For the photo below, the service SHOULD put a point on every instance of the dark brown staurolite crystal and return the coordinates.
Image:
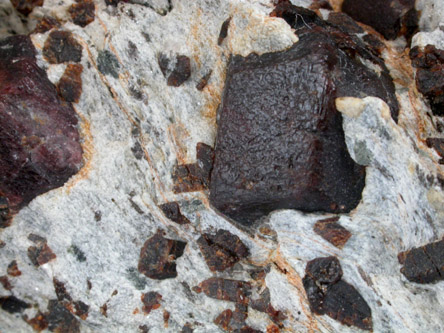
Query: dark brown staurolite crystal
(60, 319)
(194, 176)
(227, 290)
(280, 142)
(60, 47)
(332, 231)
(222, 250)
(69, 86)
(390, 18)
(179, 73)
(430, 75)
(172, 211)
(39, 140)
(423, 264)
(83, 12)
(26, 6)
(158, 257)
(328, 294)
(151, 301)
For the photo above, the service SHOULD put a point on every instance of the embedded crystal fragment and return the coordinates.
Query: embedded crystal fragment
(39, 146)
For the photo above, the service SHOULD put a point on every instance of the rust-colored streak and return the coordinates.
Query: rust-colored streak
(88, 153)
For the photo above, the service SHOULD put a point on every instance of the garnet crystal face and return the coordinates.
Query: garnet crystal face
(280, 142)
(39, 140)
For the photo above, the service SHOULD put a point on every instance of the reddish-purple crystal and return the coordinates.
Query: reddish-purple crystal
(39, 140)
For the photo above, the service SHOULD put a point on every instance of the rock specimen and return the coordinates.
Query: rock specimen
(430, 75)
(280, 142)
(332, 231)
(26, 6)
(60, 47)
(438, 145)
(172, 211)
(83, 12)
(223, 31)
(69, 86)
(423, 264)
(195, 176)
(39, 143)
(177, 71)
(222, 250)
(226, 289)
(41, 253)
(60, 319)
(12, 304)
(45, 24)
(158, 256)
(328, 294)
(387, 17)
(151, 301)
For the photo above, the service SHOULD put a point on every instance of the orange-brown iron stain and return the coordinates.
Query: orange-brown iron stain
(336, 4)
(196, 34)
(212, 92)
(295, 280)
(400, 61)
(213, 97)
(88, 153)
(178, 134)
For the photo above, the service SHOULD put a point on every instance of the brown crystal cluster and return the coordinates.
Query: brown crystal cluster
(328, 294)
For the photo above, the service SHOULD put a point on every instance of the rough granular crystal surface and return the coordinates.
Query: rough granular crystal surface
(328, 294)
(158, 257)
(280, 142)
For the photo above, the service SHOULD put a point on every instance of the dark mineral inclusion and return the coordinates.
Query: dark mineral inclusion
(423, 264)
(280, 142)
(39, 140)
(328, 294)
